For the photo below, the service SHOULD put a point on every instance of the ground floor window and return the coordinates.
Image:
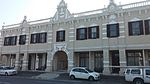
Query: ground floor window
(84, 59)
(134, 58)
(98, 61)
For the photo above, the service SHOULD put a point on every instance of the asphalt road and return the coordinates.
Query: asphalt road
(63, 80)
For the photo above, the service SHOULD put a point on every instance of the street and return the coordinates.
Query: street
(22, 80)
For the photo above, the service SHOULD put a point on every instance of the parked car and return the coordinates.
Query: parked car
(83, 73)
(6, 70)
(138, 75)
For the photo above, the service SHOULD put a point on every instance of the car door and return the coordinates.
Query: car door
(147, 76)
(128, 75)
(76, 73)
(84, 74)
(1, 71)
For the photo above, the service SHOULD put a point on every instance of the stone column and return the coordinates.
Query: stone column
(123, 63)
(70, 60)
(49, 62)
(36, 61)
(25, 62)
(91, 61)
(17, 61)
(106, 61)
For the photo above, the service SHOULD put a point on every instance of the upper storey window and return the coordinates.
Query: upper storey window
(135, 28)
(8, 41)
(147, 27)
(39, 38)
(113, 30)
(60, 36)
(93, 32)
(22, 39)
(81, 34)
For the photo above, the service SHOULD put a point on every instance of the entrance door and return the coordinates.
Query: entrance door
(60, 61)
(115, 61)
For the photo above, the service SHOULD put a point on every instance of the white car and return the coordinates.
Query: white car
(83, 73)
(6, 70)
(137, 75)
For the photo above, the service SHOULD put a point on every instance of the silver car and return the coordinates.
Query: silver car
(6, 70)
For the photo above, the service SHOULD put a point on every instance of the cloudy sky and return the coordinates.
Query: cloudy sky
(13, 11)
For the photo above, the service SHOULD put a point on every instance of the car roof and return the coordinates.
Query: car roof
(136, 68)
(79, 68)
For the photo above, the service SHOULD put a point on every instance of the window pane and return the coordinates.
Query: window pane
(82, 33)
(42, 37)
(147, 72)
(134, 58)
(136, 28)
(135, 71)
(113, 30)
(22, 39)
(33, 38)
(60, 36)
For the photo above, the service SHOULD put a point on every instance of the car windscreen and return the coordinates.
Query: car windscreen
(90, 71)
(8, 68)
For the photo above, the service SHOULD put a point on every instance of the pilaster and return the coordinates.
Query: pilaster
(17, 61)
(106, 61)
(122, 56)
(70, 60)
(49, 62)
(25, 62)
(91, 61)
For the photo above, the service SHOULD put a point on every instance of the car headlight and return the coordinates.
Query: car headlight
(96, 74)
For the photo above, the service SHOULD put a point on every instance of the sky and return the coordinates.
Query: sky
(13, 11)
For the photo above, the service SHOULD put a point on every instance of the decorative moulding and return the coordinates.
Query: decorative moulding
(135, 19)
(82, 26)
(94, 24)
(148, 18)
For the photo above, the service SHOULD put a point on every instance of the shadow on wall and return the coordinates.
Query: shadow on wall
(99, 69)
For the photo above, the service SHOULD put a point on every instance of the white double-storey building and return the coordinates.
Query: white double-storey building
(105, 40)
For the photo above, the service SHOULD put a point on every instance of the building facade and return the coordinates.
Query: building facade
(105, 40)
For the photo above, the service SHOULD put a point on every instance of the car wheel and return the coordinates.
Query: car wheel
(6, 74)
(72, 77)
(91, 78)
(138, 81)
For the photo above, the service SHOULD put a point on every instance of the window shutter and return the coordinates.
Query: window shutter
(45, 39)
(130, 28)
(118, 33)
(15, 39)
(38, 40)
(5, 41)
(146, 27)
(77, 34)
(85, 29)
(141, 27)
(31, 40)
(108, 30)
(97, 32)
(20, 39)
(57, 36)
(63, 35)
(89, 33)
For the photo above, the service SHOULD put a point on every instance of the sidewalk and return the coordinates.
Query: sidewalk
(49, 75)
(46, 76)
(61, 76)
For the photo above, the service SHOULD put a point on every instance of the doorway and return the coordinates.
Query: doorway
(114, 55)
(60, 61)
